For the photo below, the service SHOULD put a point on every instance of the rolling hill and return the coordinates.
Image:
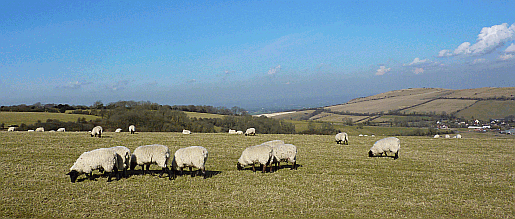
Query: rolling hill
(481, 103)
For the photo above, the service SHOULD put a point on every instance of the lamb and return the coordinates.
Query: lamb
(342, 138)
(97, 130)
(436, 136)
(118, 130)
(103, 159)
(186, 132)
(261, 154)
(30, 130)
(132, 129)
(125, 154)
(231, 131)
(11, 129)
(284, 152)
(61, 130)
(250, 131)
(151, 154)
(194, 156)
(40, 129)
(391, 144)
(447, 136)
(239, 132)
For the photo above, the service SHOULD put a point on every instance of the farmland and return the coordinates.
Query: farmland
(17, 118)
(433, 178)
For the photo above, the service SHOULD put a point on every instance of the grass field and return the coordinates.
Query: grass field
(489, 109)
(433, 178)
(17, 118)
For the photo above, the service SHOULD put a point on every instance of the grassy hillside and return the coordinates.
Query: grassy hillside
(489, 109)
(17, 118)
(203, 115)
(433, 178)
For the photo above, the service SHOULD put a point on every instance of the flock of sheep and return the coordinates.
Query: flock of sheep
(117, 160)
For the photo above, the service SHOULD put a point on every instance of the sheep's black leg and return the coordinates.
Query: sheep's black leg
(294, 167)
(181, 171)
(191, 172)
(253, 168)
(204, 172)
(396, 155)
(117, 174)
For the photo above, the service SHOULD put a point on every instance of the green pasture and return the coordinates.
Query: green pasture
(433, 178)
(203, 115)
(17, 118)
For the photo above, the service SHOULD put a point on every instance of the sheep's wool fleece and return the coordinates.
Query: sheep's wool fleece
(132, 128)
(341, 136)
(104, 158)
(285, 152)
(124, 153)
(97, 130)
(194, 156)
(155, 153)
(391, 144)
(250, 131)
(256, 154)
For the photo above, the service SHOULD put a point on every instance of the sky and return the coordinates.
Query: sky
(250, 54)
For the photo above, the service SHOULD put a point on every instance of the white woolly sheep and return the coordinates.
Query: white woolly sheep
(40, 129)
(284, 152)
(151, 154)
(103, 159)
(97, 130)
(231, 131)
(118, 130)
(125, 155)
(186, 132)
(61, 130)
(436, 136)
(342, 138)
(11, 129)
(250, 131)
(194, 156)
(391, 144)
(360, 135)
(261, 154)
(457, 136)
(239, 132)
(447, 136)
(132, 129)
(30, 130)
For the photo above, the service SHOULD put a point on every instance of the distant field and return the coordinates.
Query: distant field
(203, 115)
(383, 105)
(441, 105)
(433, 178)
(489, 109)
(331, 117)
(294, 116)
(17, 118)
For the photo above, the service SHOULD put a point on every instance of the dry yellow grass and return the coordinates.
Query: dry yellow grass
(441, 105)
(17, 118)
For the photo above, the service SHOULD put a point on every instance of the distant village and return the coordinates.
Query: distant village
(502, 126)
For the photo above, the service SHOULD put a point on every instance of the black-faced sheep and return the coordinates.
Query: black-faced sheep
(103, 159)
(132, 129)
(391, 144)
(342, 138)
(97, 130)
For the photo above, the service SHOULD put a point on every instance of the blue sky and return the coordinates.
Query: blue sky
(249, 53)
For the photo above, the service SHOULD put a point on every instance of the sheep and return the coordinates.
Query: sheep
(151, 154)
(125, 155)
(231, 131)
(261, 154)
(97, 130)
(118, 130)
(342, 138)
(40, 129)
(132, 129)
(436, 136)
(11, 129)
(284, 152)
(250, 131)
(61, 130)
(239, 132)
(391, 144)
(360, 135)
(194, 156)
(103, 159)
(447, 136)
(30, 130)
(457, 136)
(186, 132)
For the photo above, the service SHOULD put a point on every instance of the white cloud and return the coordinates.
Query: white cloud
(489, 39)
(510, 49)
(192, 81)
(418, 71)
(416, 61)
(382, 70)
(506, 56)
(120, 85)
(273, 71)
(74, 85)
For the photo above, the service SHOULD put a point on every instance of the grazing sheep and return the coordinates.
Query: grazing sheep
(103, 159)
(391, 144)
(284, 152)
(360, 135)
(436, 136)
(97, 130)
(118, 130)
(151, 154)
(342, 138)
(40, 129)
(194, 156)
(61, 130)
(132, 129)
(447, 136)
(239, 132)
(457, 136)
(11, 129)
(186, 132)
(125, 154)
(231, 131)
(261, 154)
(30, 130)
(250, 131)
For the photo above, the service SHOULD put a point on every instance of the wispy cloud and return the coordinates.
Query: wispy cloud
(120, 85)
(506, 57)
(74, 85)
(477, 61)
(417, 61)
(418, 71)
(382, 70)
(273, 71)
(444, 53)
(192, 81)
(510, 49)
